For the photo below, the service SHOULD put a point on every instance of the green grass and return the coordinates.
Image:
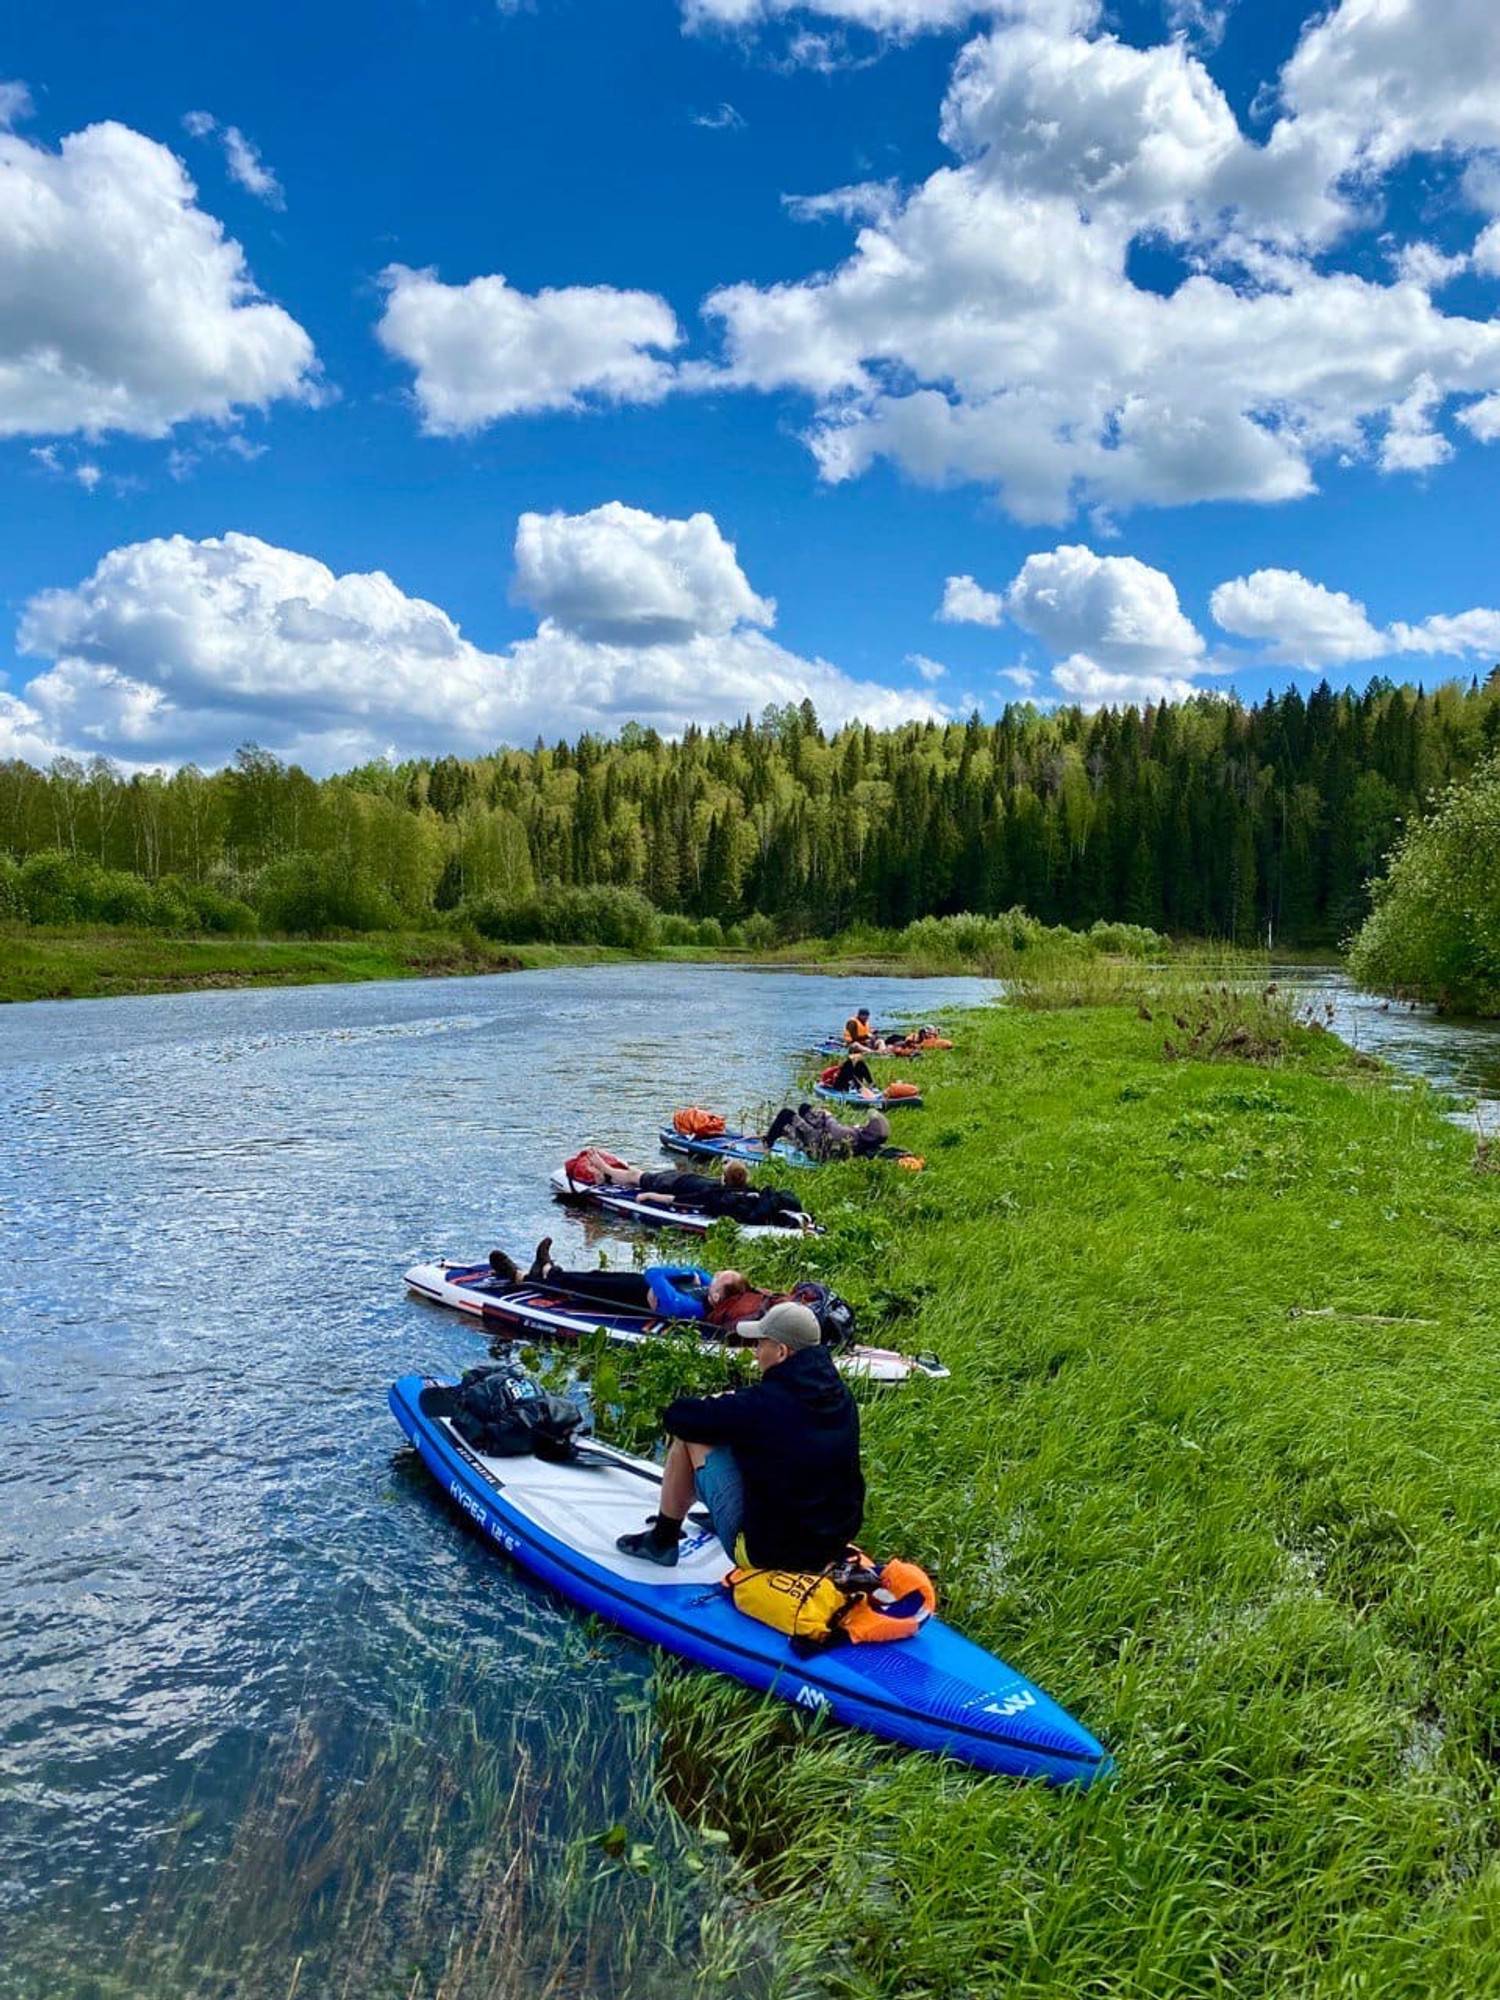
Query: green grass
(1216, 1468)
(77, 963)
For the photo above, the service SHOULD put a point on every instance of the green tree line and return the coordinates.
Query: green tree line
(1202, 818)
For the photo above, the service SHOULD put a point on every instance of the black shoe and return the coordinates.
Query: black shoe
(504, 1267)
(648, 1548)
(541, 1263)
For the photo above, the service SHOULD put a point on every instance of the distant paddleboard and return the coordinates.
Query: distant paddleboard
(632, 1206)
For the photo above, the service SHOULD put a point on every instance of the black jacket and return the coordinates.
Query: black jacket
(795, 1438)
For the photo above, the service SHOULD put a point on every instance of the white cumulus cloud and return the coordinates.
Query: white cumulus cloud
(1307, 625)
(123, 306)
(175, 649)
(1302, 623)
(1116, 609)
(966, 603)
(620, 575)
(886, 17)
(15, 103)
(989, 324)
(1116, 621)
(483, 350)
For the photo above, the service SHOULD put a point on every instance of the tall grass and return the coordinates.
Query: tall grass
(464, 1853)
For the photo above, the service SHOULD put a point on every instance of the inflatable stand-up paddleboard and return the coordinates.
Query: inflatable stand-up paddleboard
(936, 1691)
(740, 1146)
(731, 1146)
(546, 1313)
(631, 1206)
(835, 1045)
(872, 1100)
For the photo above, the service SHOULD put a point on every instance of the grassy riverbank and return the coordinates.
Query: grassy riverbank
(1216, 1467)
(79, 962)
(74, 963)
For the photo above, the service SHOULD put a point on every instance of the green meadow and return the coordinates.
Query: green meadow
(1216, 1467)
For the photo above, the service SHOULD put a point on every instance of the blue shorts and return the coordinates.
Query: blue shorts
(719, 1486)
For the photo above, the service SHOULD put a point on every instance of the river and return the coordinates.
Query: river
(211, 1535)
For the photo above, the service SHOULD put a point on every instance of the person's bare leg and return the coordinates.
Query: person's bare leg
(677, 1490)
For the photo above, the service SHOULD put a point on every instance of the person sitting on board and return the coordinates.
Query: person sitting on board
(775, 1463)
(813, 1129)
(859, 1035)
(851, 1074)
(733, 1196)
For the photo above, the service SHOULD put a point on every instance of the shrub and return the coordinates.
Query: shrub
(1126, 940)
(603, 916)
(12, 904)
(311, 894)
(207, 909)
(675, 929)
(49, 888)
(758, 932)
(1434, 932)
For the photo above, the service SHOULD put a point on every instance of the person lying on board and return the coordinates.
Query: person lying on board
(733, 1196)
(670, 1290)
(775, 1463)
(814, 1130)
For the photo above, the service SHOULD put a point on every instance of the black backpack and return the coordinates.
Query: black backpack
(506, 1413)
(835, 1316)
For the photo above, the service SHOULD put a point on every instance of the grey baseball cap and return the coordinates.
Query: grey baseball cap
(793, 1325)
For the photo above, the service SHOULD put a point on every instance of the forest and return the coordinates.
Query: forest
(1204, 819)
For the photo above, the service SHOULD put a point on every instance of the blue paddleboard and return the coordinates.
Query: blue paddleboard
(936, 1691)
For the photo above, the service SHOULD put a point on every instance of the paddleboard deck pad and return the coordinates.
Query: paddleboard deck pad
(631, 1206)
(937, 1692)
(545, 1313)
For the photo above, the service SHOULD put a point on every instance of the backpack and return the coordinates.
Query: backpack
(835, 1316)
(506, 1413)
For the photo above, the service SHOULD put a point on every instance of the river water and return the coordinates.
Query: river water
(208, 1524)
(1461, 1058)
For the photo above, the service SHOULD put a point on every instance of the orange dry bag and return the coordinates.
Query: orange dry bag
(693, 1122)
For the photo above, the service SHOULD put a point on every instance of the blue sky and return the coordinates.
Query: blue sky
(416, 378)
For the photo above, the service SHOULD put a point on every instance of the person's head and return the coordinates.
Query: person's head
(863, 1016)
(726, 1285)
(877, 1128)
(736, 1174)
(784, 1329)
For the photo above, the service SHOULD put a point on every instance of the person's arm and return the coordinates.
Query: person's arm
(711, 1419)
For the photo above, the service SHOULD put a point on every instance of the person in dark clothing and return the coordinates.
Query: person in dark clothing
(814, 1130)
(853, 1073)
(733, 1196)
(776, 1463)
(725, 1301)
